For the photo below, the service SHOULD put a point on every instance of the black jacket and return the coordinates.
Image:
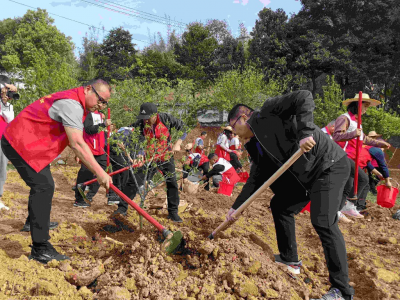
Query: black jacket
(168, 120)
(278, 127)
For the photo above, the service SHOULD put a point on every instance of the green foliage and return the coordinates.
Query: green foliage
(35, 51)
(232, 87)
(31, 36)
(44, 78)
(328, 106)
(196, 52)
(130, 94)
(116, 55)
(381, 121)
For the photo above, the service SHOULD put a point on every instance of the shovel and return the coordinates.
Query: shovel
(257, 193)
(172, 239)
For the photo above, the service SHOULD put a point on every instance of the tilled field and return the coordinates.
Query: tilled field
(115, 259)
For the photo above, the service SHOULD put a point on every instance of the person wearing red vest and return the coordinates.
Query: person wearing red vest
(6, 116)
(195, 161)
(199, 143)
(95, 139)
(155, 132)
(40, 132)
(346, 131)
(223, 149)
(222, 171)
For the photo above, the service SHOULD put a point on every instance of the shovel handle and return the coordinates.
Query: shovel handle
(257, 193)
(140, 211)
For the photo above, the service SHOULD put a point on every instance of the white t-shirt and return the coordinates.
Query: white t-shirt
(7, 112)
(235, 142)
(223, 140)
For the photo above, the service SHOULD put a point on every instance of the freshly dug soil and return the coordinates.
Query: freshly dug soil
(116, 259)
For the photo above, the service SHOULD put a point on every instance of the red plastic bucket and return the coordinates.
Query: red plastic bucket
(307, 207)
(243, 176)
(225, 188)
(386, 196)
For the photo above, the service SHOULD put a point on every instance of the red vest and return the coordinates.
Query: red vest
(229, 175)
(203, 158)
(162, 139)
(97, 141)
(36, 137)
(3, 125)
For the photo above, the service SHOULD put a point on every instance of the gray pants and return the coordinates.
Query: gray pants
(3, 171)
(216, 180)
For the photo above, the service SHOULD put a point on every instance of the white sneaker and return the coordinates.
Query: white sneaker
(351, 210)
(3, 206)
(343, 218)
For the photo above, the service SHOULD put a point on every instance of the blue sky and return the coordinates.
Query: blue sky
(146, 17)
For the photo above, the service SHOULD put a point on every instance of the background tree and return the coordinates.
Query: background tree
(38, 54)
(269, 47)
(197, 53)
(87, 60)
(115, 57)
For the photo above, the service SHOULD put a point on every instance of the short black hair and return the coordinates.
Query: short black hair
(204, 133)
(98, 82)
(211, 155)
(353, 107)
(235, 111)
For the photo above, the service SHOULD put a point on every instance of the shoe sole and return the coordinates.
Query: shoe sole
(350, 215)
(290, 269)
(112, 203)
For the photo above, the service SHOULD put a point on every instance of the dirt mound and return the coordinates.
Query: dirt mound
(116, 259)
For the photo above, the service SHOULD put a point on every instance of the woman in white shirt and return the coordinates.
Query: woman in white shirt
(6, 116)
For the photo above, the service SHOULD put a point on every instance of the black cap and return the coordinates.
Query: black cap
(147, 110)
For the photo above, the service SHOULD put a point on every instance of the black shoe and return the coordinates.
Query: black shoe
(27, 227)
(119, 211)
(174, 217)
(45, 255)
(82, 204)
(89, 196)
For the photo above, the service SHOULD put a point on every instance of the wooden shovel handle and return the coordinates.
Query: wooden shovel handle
(261, 189)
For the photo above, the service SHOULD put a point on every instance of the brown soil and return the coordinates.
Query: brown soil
(115, 259)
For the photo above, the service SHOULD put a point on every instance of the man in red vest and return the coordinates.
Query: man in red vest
(155, 132)
(95, 138)
(199, 143)
(222, 171)
(40, 132)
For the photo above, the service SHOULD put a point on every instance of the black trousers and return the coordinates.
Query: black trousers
(235, 161)
(40, 196)
(85, 174)
(362, 188)
(326, 197)
(168, 170)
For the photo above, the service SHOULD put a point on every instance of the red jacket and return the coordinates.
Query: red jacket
(36, 137)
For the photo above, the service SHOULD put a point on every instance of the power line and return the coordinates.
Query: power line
(73, 20)
(120, 6)
(137, 15)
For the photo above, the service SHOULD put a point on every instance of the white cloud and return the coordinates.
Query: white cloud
(154, 10)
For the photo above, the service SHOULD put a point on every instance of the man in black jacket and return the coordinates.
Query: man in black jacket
(282, 126)
(155, 130)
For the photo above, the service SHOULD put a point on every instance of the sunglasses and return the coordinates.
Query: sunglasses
(233, 125)
(99, 98)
